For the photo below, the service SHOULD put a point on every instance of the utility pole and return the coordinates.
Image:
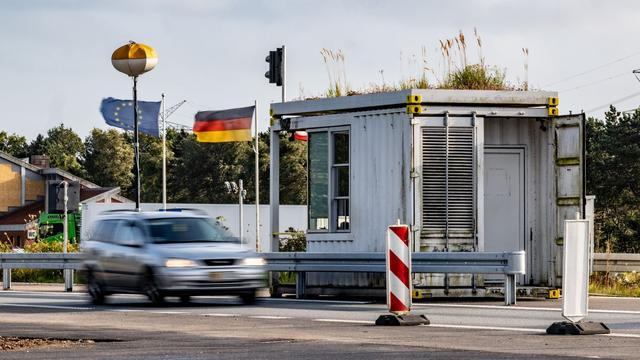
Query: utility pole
(257, 175)
(67, 273)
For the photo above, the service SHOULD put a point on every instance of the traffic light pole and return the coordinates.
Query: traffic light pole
(284, 74)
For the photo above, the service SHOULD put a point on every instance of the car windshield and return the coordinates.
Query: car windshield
(186, 230)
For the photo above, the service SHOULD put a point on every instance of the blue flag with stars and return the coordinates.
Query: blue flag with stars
(119, 113)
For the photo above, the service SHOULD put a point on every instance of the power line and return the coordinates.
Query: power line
(593, 69)
(614, 102)
(595, 82)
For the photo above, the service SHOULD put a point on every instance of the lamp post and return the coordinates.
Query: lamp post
(233, 188)
(135, 59)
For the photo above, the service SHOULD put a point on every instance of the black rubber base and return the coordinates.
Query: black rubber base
(579, 328)
(402, 320)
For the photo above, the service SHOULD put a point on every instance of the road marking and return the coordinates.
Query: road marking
(270, 317)
(622, 335)
(125, 310)
(222, 315)
(346, 321)
(48, 306)
(169, 312)
(502, 307)
(476, 327)
(317, 301)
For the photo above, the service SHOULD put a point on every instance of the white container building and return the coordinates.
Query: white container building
(468, 170)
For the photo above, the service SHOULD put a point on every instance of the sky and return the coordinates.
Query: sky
(55, 56)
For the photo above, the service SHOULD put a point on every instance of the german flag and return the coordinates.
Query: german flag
(224, 125)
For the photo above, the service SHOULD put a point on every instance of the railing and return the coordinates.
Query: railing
(615, 262)
(67, 262)
(508, 264)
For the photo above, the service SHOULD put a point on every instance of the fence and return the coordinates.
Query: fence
(614, 262)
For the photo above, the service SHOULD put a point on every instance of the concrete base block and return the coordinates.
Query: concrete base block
(402, 320)
(578, 328)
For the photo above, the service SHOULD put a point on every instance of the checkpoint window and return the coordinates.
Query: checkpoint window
(329, 180)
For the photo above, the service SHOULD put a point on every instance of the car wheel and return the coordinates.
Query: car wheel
(185, 298)
(248, 298)
(151, 290)
(95, 290)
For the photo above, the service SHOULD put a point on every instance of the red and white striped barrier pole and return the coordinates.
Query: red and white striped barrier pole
(399, 279)
(398, 269)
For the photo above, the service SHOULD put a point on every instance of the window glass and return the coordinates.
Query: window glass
(342, 174)
(105, 230)
(184, 230)
(128, 232)
(341, 148)
(342, 214)
(318, 181)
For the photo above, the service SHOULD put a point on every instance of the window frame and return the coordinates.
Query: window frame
(332, 172)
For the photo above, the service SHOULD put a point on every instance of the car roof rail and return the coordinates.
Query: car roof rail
(192, 210)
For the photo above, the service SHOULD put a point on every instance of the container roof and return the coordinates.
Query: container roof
(397, 99)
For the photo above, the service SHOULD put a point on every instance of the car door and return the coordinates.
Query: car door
(129, 263)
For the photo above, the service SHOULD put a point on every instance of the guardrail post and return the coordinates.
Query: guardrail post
(510, 289)
(6, 279)
(301, 282)
(68, 279)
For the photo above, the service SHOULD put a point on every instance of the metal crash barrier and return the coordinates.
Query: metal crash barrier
(508, 264)
(50, 261)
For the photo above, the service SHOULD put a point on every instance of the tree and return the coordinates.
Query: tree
(65, 149)
(14, 144)
(613, 176)
(108, 159)
(151, 167)
(37, 146)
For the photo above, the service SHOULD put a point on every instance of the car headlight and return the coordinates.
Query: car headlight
(179, 263)
(253, 262)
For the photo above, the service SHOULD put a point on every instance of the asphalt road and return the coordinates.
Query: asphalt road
(221, 328)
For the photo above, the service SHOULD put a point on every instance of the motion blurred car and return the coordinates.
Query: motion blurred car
(163, 254)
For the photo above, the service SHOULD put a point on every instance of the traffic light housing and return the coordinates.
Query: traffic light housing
(275, 67)
(56, 196)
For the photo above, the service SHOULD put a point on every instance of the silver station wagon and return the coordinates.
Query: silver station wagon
(163, 254)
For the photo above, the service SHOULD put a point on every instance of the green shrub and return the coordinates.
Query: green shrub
(476, 77)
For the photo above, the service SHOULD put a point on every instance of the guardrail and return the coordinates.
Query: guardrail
(615, 262)
(508, 264)
(67, 262)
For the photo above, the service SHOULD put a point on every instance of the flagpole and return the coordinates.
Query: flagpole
(164, 158)
(256, 150)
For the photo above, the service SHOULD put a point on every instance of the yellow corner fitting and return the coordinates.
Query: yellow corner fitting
(414, 99)
(554, 294)
(553, 111)
(553, 101)
(417, 294)
(414, 109)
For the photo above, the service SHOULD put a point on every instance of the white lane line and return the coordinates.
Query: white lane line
(476, 327)
(126, 310)
(48, 306)
(270, 317)
(502, 307)
(346, 321)
(318, 301)
(221, 315)
(170, 312)
(622, 335)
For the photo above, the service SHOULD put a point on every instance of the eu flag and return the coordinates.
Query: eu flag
(119, 113)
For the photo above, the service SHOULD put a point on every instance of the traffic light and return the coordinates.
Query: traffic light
(56, 196)
(275, 67)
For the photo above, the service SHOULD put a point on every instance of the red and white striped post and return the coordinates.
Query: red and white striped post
(398, 269)
(399, 279)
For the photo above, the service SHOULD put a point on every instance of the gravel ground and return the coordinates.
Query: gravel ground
(16, 343)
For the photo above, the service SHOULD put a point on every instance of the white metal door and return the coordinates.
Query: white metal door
(504, 200)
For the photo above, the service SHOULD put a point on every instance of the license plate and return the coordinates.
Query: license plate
(216, 275)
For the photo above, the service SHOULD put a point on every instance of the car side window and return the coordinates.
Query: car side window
(127, 232)
(105, 230)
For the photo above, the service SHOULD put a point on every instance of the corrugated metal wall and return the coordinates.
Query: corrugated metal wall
(380, 191)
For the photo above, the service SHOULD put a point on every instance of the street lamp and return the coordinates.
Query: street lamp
(135, 59)
(233, 188)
